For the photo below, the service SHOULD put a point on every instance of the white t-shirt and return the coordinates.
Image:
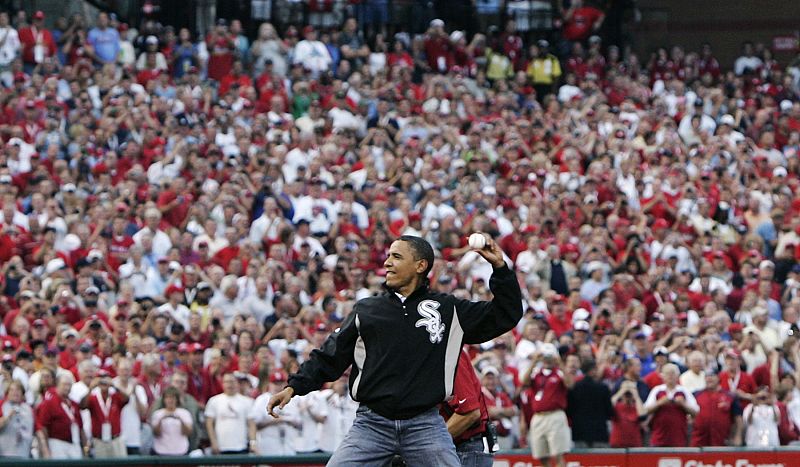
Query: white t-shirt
(311, 430)
(230, 420)
(76, 394)
(172, 441)
(130, 422)
(341, 415)
(277, 439)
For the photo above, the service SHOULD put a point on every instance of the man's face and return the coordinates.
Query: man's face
(64, 386)
(229, 385)
(179, 382)
(401, 267)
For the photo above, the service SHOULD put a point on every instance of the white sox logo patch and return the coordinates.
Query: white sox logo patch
(431, 320)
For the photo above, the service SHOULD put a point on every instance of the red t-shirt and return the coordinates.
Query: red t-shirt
(668, 426)
(57, 416)
(743, 381)
(712, 424)
(580, 25)
(467, 396)
(560, 326)
(625, 431)
(549, 391)
(108, 411)
(653, 379)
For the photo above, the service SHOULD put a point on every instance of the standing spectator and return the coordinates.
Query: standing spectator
(151, 60)
(626, 431)
(59, 428)
(580, 22)
(437, 46)
(748, 62)
(341, 411)
(229, 430)
(105, 407)
(352, 44)
(172, 426)
(180, 381)
(589, 407)
(549, 434)
(501, 408)
(311, 53)
(135, 410)
(275, 436)
(761, 420)
(734, 380)
(221, 48)
(104, 40)
(313, 412)
(9, 46)
(16, 423)
(467, 416)
(37, 43)
(268, 49)
(544, 69)
(669, 403)
(694, 379)
(720, 417)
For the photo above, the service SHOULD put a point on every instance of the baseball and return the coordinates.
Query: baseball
(477, 241)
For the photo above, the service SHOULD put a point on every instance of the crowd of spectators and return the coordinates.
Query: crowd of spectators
(183, 219)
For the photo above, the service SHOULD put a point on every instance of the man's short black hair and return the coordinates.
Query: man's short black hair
(421, 248)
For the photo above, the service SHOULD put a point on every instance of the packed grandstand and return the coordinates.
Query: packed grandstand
(185, 218)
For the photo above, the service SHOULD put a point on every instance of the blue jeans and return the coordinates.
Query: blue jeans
(471, 454)
(373, 440)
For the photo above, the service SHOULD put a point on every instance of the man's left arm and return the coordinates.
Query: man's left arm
(483, 321)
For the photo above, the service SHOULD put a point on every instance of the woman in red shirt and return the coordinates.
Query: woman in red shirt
(628, 407)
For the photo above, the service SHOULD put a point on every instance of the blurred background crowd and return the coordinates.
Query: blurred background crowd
(185, 216)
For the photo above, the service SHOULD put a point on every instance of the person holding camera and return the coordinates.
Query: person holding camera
(628, 411)
(104, 401)
(549, 434)
(16, 423)
(172, 426)
(761, 419)
(669, 403)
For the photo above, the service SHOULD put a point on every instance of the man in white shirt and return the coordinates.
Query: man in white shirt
(276, 436)
(311, 53)
(260, 304)
(348, 204)
(86, 373)
(341, 415)
(9, 43)
(134, 410)
(313, 411)
(694, 379)
(229, 430)
(161, 241)
(748, 61)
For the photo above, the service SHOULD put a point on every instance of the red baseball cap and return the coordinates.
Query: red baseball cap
(277, 376)
(197, 347)
(38, 15)
(660, 224)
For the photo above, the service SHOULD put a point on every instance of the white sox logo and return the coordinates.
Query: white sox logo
(431, 320)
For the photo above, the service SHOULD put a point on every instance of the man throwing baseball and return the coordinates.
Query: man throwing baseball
(403, 347)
